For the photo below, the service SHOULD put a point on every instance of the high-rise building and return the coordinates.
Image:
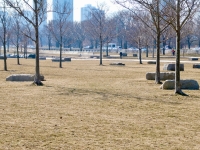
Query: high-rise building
(57, 5)
(86, 12)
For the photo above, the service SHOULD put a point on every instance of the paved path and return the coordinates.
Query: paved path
(135, 60)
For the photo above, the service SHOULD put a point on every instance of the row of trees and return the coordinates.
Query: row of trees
(142, 21)
(123, 28)
(165, 15)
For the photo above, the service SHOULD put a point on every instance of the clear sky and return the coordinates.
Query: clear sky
(80, 3)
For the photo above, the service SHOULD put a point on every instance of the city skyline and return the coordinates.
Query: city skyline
(54, 5)
(79, 4)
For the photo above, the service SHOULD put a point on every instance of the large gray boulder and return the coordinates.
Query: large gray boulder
(185, 84)
(163, 75)
(23, 77)
(171, 67)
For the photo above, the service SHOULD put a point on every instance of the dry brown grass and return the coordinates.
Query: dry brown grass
(87, 106)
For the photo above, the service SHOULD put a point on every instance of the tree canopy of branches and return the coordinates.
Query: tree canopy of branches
(179, 13)
(154, 23)
(61, 25)
(100, 27)
(34, 17)
(4, 21)
(16, 29)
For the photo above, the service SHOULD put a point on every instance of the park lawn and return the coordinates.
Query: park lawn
(87, 106)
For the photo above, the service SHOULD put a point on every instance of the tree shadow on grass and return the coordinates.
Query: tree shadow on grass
(108, 95)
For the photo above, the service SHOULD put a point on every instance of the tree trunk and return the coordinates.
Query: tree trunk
(140, 53)
(37, 79)
(101, 45)
(147, 51)
(164, 44)
(125, 45)
(18, 54)
(157, 75)
(18, 44)
(177, 75)
(178, 40)
(4, 48)
(4, 39)
(5, 57)
(199, 42)
(107, 49)
(189, 43)
(25, 50)
(154, 45)
(96, 44)
(49, 43)
(60, 65)
(81, 46)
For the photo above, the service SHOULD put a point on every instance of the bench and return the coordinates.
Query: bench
(117, 63)
(94, 56)
(67, 59)
(135, 55)
(196, 65)
(151, 62)
(42, 58)
(57, 60)
(193, 58)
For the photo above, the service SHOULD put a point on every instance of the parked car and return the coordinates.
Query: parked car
(31, 56)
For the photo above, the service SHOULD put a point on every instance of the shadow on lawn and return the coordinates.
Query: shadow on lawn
(111, 95)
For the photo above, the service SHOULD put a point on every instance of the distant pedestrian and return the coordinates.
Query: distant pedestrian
(120, 55)
(173, 52)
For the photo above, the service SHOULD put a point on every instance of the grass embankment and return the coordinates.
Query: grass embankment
(87, 106)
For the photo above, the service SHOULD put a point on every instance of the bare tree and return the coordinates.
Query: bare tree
(80, 34)
(16, 33)
(179, 13)
(121, 28)
(96, 26)
(188, 33)
(4, 20)
(156, 10)
(47, 33)
(34, 18)
(137, 31)
(61, 25)
(111, 25)
(197, 27)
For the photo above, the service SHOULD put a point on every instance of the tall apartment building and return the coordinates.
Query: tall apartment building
(52, 8)
(86, 12)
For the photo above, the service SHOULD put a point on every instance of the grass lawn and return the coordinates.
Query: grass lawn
(90, 107)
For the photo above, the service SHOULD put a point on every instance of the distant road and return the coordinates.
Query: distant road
(133, 60)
